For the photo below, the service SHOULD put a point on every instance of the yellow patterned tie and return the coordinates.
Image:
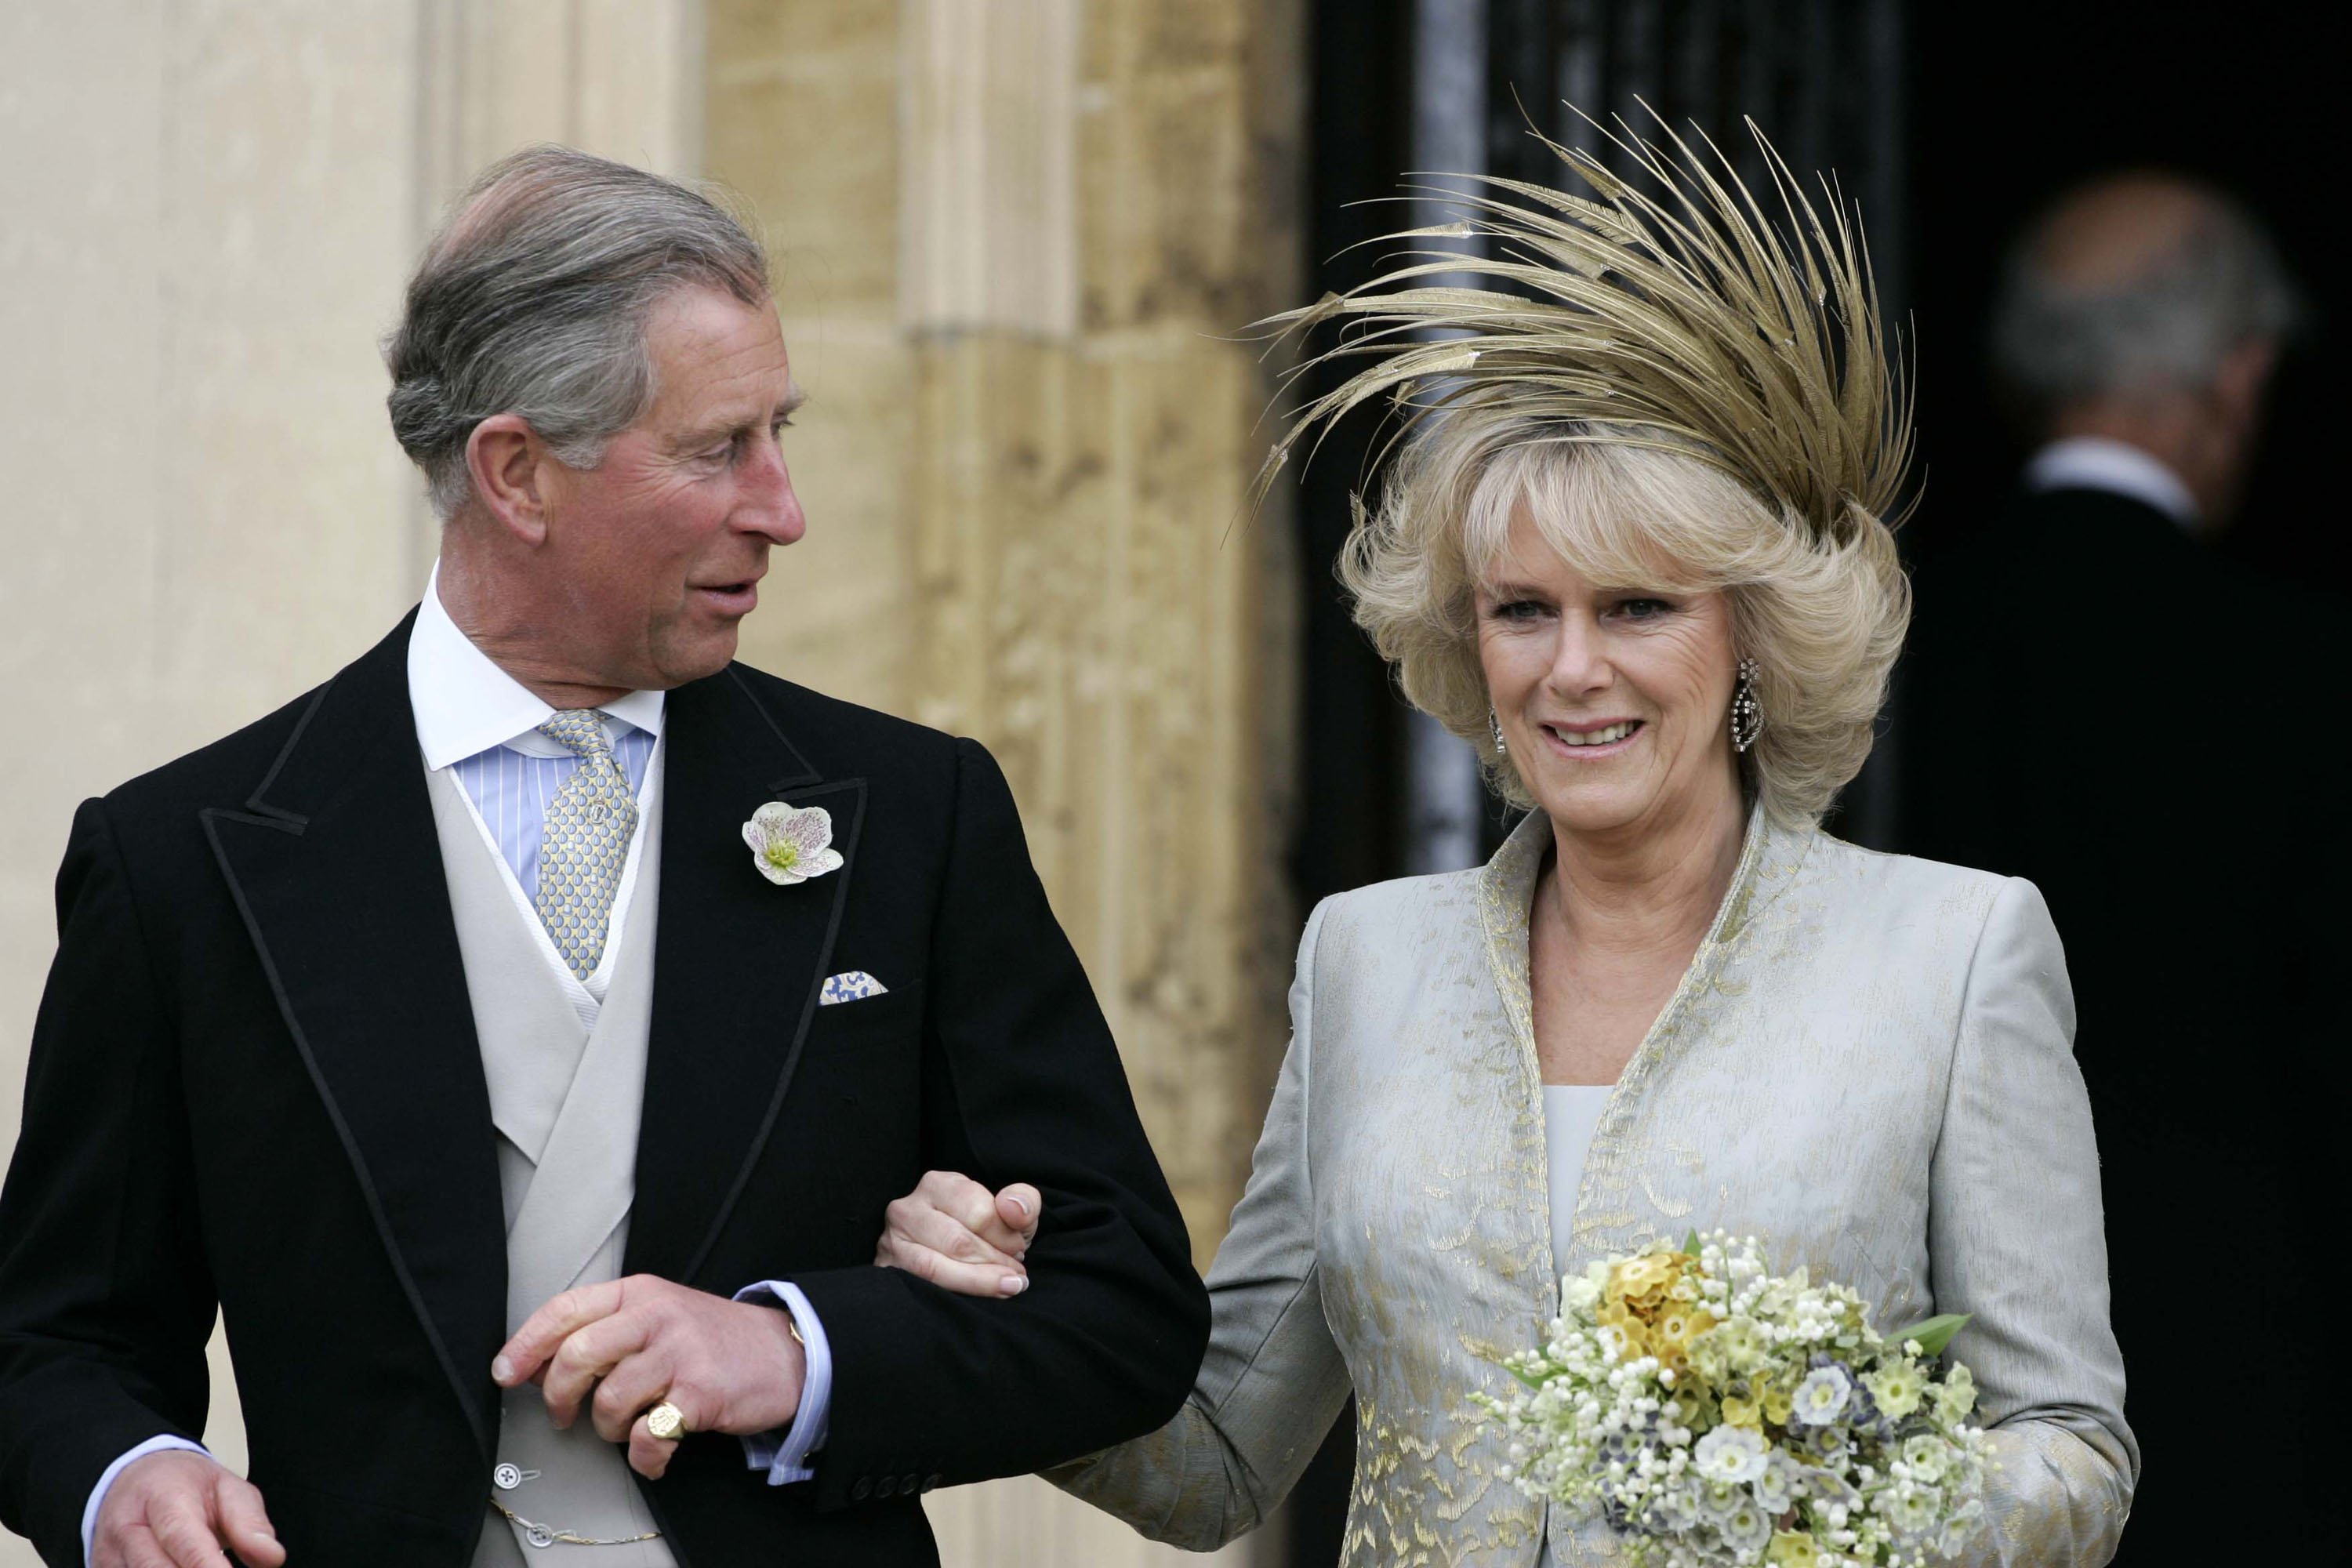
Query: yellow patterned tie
(586, 842)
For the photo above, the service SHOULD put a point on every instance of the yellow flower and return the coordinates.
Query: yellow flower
(1677, 1326)
(1958, 1394)
(1646, 1277)
(1739, 1411)
(1625, 1339)
(1778, 1402)
(1896, 1386)
(1792, 1548)
(1697, 1320)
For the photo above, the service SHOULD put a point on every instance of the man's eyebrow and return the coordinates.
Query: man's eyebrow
(704, 434)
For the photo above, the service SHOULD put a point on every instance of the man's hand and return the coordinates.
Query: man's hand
(180, 1510)
(956, 1234)
(728, 1366)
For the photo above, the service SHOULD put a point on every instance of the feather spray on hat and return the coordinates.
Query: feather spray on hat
(1685, 320)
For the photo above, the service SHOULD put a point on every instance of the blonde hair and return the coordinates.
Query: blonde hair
(1683, 398)
(1823, 616)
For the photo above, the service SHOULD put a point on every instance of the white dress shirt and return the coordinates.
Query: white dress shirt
(2095, 463)
(473, 718)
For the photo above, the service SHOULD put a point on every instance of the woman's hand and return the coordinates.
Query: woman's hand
(953, 1232)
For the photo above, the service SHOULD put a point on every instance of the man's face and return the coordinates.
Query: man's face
(658, 551)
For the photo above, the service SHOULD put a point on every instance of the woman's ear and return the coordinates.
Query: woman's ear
(504, 456)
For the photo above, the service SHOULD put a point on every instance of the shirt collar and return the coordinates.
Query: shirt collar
(2097, 463)
(466, 704)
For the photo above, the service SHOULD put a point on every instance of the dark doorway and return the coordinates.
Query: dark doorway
(2017, 101)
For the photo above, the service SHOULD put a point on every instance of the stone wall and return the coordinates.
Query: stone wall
(1012, 300)
(1015, 243)
(1013, 239)
(210, 206)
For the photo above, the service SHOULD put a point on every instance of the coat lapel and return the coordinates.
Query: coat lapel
(738, 963)
(335, 865)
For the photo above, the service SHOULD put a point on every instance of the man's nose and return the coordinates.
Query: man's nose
(769, 507)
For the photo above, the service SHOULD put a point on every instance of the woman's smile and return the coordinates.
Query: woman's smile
(1591, 740)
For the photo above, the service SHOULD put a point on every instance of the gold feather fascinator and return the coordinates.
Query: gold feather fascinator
(1685, 320)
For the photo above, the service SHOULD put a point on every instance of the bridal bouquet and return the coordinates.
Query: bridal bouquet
(1718, 1414)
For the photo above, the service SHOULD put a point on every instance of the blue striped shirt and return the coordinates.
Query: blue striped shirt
(512, 789)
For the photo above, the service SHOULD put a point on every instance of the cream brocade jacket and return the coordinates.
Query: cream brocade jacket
(1868, 1066)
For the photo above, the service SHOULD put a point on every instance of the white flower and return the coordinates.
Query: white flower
(1730, 1454)
(790, 845)
(1913, 1510)
(1821, 1397)
(1746, 1528)
(1776, 1488)
(1962, 1524)
(1927, 1457)
(1717, 1498)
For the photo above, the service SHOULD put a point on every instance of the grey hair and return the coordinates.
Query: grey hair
(2171, 328)
(532, 300)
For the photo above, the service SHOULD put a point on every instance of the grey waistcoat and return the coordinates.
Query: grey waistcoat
(565, 1096)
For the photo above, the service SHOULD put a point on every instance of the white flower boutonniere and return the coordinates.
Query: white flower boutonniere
(791, 844)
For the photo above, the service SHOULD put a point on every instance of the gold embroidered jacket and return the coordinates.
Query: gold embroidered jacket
(1868, 1066)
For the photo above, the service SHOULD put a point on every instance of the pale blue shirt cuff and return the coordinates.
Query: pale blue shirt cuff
(784, 1452)
(152, 1445)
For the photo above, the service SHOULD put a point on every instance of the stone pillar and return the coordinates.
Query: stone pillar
(1014, 244)
(212, 208)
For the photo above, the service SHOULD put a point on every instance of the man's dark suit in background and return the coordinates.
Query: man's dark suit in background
(2097, 701)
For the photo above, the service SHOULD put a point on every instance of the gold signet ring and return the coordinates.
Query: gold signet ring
(666, 1422)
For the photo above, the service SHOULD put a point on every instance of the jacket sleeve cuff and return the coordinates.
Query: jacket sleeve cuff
(156, 1446)
(784, 1453)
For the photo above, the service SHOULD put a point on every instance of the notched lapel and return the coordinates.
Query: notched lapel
(738, 964)
(335, 865)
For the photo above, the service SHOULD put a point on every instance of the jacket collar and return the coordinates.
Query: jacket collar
(1769, 859)
(334, 863)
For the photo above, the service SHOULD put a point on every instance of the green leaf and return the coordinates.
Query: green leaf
(1933, 1333)
(1690, 1244)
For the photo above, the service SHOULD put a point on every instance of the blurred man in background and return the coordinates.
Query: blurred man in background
(2099, 701)
(2136, 331)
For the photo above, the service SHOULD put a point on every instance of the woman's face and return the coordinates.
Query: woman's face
(1614, 697)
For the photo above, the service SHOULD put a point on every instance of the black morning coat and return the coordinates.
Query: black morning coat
(2152, 733)
(255, 1081)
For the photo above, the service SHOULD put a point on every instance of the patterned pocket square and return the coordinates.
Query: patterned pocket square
(854, 986)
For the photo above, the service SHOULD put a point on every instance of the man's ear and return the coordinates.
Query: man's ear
(2243, 379)
(505, 457)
